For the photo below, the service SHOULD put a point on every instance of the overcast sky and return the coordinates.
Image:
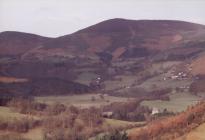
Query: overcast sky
(59, 17)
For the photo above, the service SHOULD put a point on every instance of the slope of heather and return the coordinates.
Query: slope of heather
(116, 37)
(17, 43)
(198, 66)
(196, 134)
(127, 38)
(172, 127)
(96, 49)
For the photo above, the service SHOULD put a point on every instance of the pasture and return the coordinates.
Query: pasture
(82, 101)
(178, 102)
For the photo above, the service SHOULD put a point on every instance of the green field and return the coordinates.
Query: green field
(178, 102)
(119, 123)
(83, 101)
(86, 77)
(125, 81)
(114, 124)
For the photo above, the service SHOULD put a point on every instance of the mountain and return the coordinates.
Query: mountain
(119, 38)
(122, 38)
(115, 47)
(18, 43)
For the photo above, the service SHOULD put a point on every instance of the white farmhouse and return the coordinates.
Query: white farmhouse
(155, 111)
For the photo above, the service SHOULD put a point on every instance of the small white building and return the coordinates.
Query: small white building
(127, 86)
(155, 111)
(174, 77)
(108, 114)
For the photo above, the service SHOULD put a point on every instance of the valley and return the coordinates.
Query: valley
(123, 75)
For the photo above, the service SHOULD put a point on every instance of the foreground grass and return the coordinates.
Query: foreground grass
(34, 134)
(8, 113)
(89, 120)
(37, 133)
(196, 134)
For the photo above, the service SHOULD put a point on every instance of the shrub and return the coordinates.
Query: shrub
(116, 135)
(56, 109)
(131, 111)
(26, 106)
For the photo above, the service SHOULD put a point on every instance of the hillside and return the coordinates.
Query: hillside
(187, 123)
(122, 53)
(114, 37)
(18, 43)
(44, 86)
(197, 133)
(128, 38)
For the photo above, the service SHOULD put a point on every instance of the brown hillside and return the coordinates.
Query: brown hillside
(91, 51)
(17, 43)
(172, 127)
(198, 66)
(138, 36)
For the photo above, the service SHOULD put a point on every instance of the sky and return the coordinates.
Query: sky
(55, 18)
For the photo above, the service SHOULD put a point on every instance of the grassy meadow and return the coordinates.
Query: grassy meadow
(83, 101)
(178, 102)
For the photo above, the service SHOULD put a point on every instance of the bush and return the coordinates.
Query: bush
(26, 106)
(56, 109)
(73, 124)
(131, 111)
(116, 135)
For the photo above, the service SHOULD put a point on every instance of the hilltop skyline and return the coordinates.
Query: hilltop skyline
(54, 18)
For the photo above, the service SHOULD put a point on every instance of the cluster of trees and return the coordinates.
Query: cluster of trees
(73, 124)
(44, 86)
(129, 111)
(133, 111)
(160, 94)
(142, 94)
(27, 105)
(59, 122)
(4, 99)
(172, 127)
(197, 86)
(115, 135)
